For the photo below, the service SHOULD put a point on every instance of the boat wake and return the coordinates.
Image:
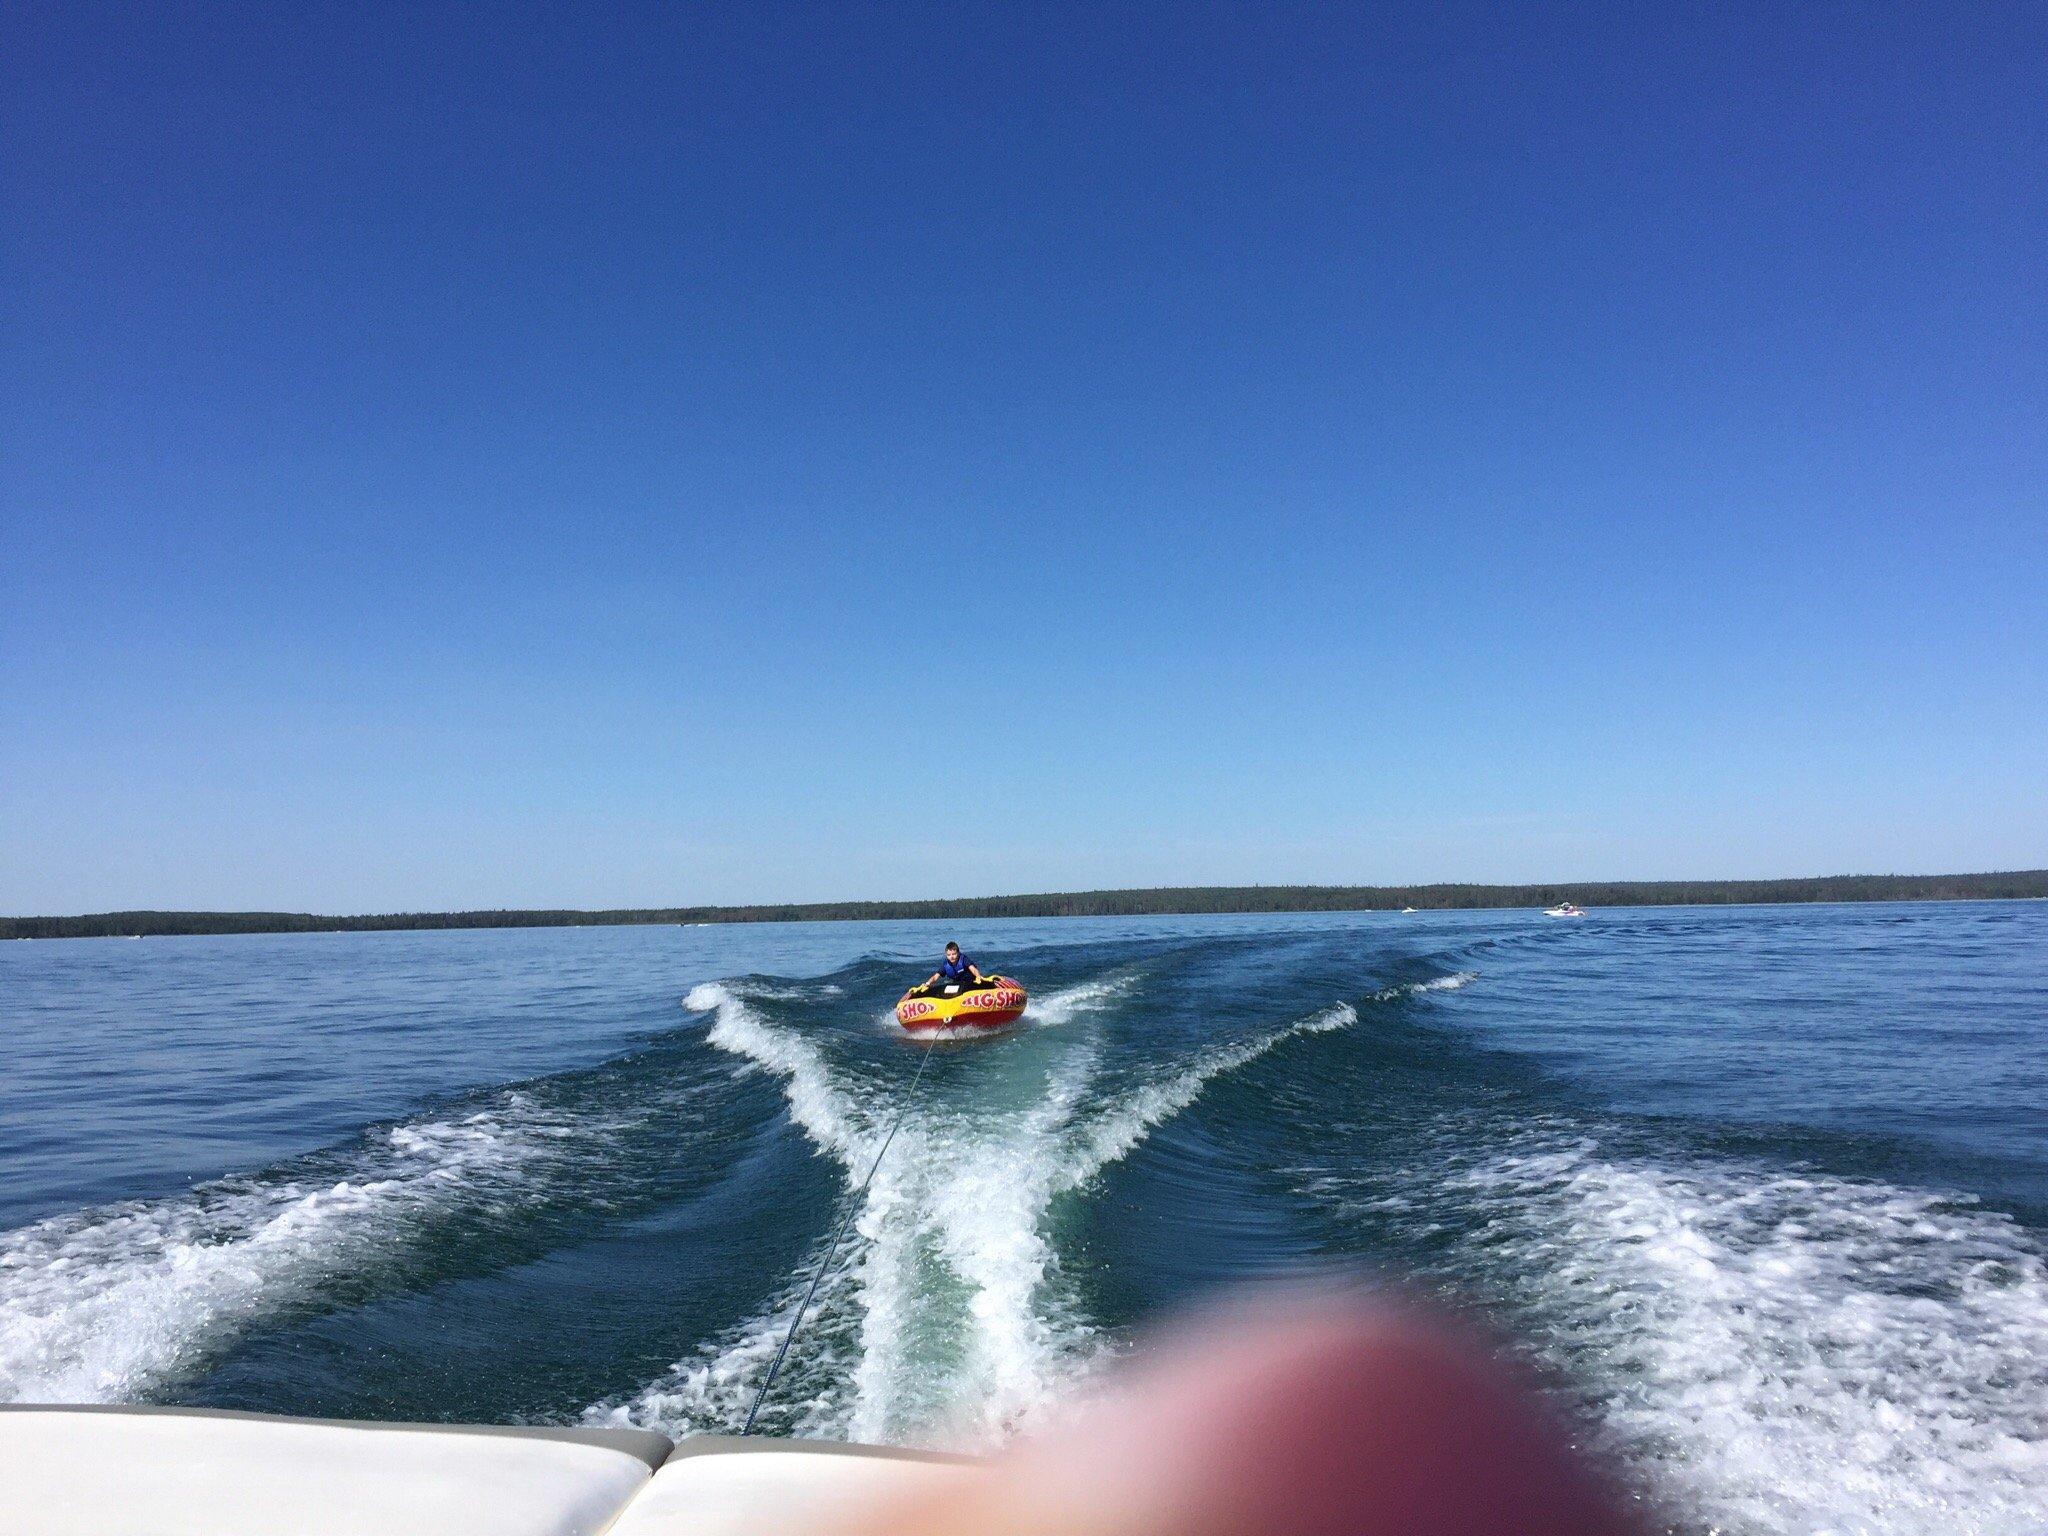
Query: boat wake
(122, 1302)
(104, 1305)
(1753, 1308)
(1821, 1354)
(1779, 1352)
(950, 1322)
(1065, 1004)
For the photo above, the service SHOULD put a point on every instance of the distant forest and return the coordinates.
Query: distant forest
(2027, 883)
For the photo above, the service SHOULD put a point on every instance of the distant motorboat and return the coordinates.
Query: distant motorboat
(1407, 909)
(1564, 909)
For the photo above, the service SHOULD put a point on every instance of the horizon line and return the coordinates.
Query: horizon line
(1105, 902)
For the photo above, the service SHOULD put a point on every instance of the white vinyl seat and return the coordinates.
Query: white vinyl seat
(715, 1486)
(167, 1472)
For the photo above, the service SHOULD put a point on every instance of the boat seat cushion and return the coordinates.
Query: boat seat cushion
(144, 1472)
(714, 1486)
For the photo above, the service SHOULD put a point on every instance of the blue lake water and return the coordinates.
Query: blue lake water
(1765, 1188)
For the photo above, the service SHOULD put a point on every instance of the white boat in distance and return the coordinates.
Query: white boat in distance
(1564, 909)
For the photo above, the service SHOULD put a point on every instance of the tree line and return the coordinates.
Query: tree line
(2010, 885)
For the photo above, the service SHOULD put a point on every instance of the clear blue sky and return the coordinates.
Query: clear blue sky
(471, 457)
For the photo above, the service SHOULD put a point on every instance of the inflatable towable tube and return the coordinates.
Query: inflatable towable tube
(998, 1001)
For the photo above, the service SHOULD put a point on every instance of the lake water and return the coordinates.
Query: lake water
(1766, 1188)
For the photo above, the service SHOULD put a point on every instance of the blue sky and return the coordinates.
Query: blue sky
(675, 454)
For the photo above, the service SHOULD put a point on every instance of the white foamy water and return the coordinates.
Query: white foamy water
(711, 1392)
(952, 1223)
(1065, 1004)
(1782, 1354)
(1449, 983)
(966, 1204)
(826, 1114)
(102, 1305)
(950, 1319)
(1794, 1353)
(1123, 1125)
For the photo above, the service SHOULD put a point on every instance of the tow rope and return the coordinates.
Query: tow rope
(817, 1275)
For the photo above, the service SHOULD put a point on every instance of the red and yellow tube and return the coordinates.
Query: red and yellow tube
(989, 1007)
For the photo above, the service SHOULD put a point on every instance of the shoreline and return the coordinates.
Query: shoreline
(1172, 901)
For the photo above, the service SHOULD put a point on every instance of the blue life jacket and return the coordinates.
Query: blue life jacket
(954, 970)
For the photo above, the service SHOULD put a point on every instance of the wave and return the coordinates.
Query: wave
(124, 1301)
(1778, 1352)
(103, 1305)
(1121, 1127)
(711, 1392)
(119, 1302)
(1449, 983)
(830, 1117)
(957, 1205)
(1796, 1352)
(951, 1322)
(1065, 1004)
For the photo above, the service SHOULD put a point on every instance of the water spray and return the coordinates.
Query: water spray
(832, 1252)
